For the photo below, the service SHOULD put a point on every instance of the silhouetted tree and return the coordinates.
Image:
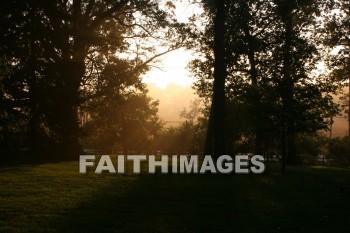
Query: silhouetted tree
(215, 139)
(57, 49)
(335, 33)
(270, 87)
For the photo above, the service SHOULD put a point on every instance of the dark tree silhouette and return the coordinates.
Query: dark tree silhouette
(215, 141)
(337, 33)
(270, 88)
(58, 48)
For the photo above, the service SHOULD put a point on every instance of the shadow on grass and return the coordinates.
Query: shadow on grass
(155, 203)
(272, 202)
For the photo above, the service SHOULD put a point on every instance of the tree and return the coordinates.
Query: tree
(270, 88)
(189, 136)
(122, 123)
(245, 48)
(12, 121)
(215, 141)
(298, 58)
(248, 45)
(335, 33)
(59, 47)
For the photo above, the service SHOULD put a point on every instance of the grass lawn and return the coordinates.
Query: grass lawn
(56, 198)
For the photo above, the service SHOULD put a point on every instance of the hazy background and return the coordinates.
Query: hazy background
(171, 82)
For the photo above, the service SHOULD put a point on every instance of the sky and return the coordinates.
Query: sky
(171, 69)
(169, 81)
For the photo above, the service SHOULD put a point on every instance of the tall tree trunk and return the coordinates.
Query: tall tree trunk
(288, 121)
(34, 122)
(257, 114)
(35, 142)
(69, 102)
(253, 77)
(291, 146)
(349, 111)
(291, 134)
(220, 74)
(72, 76)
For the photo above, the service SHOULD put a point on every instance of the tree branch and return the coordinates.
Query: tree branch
(138, 67)
(100, 17)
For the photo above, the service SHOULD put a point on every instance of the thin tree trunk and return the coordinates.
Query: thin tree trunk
(254, 78)
(291, 145)
(349, 111)
(291, 156)
(286, 85)
(34, 122)
(259, 139)
(208, 147)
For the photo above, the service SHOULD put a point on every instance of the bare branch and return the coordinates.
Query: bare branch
(136, 25)
(138, 67)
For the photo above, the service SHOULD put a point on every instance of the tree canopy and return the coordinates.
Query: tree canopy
(70, 74)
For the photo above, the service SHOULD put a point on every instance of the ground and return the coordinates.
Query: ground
(54, 197)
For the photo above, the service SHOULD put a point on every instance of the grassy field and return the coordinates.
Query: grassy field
(56, 198)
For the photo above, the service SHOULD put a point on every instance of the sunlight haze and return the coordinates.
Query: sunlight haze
(169, 80)
(171, 69)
